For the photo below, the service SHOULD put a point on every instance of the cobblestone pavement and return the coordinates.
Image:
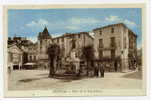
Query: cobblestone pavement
(38, 80)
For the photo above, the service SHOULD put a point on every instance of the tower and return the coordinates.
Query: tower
(44, 39)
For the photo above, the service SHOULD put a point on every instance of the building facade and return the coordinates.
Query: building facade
(73, 42)
(116, 42)
(44, 39)
(113, 43)
(32, 53)
(20, 52)
(14, 57)
(68, 43)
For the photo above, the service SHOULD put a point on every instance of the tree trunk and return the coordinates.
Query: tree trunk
(87, 68)
(51, 68)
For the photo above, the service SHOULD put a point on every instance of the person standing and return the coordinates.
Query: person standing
(115, 66)
(96, 72)
(101, 69)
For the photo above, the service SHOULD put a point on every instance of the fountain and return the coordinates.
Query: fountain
(73, 62)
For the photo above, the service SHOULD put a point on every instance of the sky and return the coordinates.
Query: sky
(29, 22)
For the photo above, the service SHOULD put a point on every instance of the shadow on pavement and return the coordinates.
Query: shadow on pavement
(62, 78)
(67, 77)
(46, 74)
(134, 75)
(31, 79)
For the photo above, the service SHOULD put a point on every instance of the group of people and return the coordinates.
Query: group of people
(99, 69)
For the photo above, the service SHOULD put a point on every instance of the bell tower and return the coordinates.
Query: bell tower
(44, 39)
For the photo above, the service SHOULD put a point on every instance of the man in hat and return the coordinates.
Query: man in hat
(101, 69)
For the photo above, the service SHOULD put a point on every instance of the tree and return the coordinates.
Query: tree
(53, 52)
(88, 55)
(25, 57)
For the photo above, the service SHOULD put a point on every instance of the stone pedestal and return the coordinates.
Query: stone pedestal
(74, 60)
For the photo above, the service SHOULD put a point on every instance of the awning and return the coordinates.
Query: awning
(30, 64)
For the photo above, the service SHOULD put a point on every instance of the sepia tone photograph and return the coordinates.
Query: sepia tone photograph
(74, 50)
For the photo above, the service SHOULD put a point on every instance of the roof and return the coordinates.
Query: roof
(19, 41)
(17, 47)
(72, 34)
(132, 33)
(44, 34)
(112, 25)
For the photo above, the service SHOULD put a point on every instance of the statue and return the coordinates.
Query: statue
(74, 60)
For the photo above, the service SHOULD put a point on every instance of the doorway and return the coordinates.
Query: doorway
(15, 67)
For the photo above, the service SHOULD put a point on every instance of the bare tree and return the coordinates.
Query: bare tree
(53, 52)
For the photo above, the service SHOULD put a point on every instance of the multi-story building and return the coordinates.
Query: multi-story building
(14, 57)
(73, 42)
(32, 53)
(20, 52)
(22, 41)
(68, 43)
(115, 42)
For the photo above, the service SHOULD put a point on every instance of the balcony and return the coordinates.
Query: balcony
(111, 47)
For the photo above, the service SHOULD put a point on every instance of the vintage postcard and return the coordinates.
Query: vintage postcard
(74, 50)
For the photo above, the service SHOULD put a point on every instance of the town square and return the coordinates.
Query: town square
(38, 80)
(66, 49)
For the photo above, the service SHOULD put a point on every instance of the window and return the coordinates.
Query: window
(112, 42)
(125, 42)
(40, 44)
(100, 54)
(30, 58)
(112, 30)
(73, 44)
(100, 32)
(112, 53)
(100, 43)
(58, 40)
(62, 39)
(35, 58)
